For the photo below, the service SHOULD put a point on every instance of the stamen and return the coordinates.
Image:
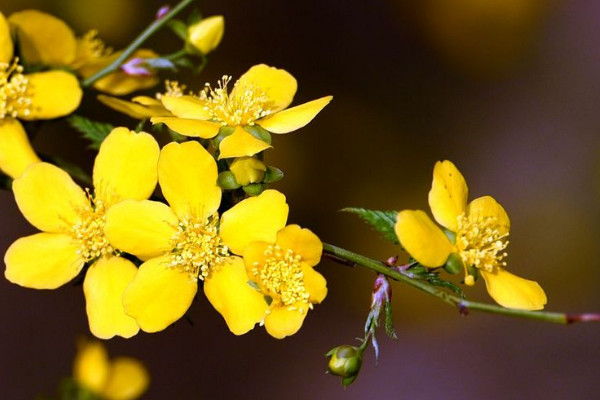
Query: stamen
(197, 247)
(172, 88)
(481, 243)
(89, 233)
(15, 99)
(90, 48)
(281, 277)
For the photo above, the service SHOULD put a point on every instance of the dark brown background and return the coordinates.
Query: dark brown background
(507, 89)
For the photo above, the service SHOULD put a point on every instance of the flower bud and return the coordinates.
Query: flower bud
(248, 170)
(272, 175)
(345, 361)
(226, 180)
(206, 35)
(254, 189)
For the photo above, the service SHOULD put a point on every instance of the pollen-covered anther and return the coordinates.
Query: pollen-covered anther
(15, 99)
(197, 247)
(481, 242)
(89, 234)
(281, 276)
(242, 106)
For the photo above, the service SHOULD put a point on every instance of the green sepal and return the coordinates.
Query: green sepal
(254, 189)
(179, 28)
(93, 131)
(223, 133)
(272, 175)
(381, 221)
(259, 133)
(454, 264)
(226, 180)
(194, 17)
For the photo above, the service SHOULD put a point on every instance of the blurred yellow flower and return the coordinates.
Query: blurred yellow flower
(261, 96)
(40, 95)
(123, 378)
(185, 241)
(206, 34)
(72, 223)
(140, 107)
(283, 271)
(480, 229)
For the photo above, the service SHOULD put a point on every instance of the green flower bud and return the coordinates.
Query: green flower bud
(273, 175)
(345, 362)
(206, 35)
(454, 264)
(254, 189)
(226, 180)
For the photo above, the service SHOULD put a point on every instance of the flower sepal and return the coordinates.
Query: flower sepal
(345, 361)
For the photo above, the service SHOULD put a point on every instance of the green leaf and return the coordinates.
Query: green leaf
(94, 131)
(179, 28)
(381, 221)
(389, 323)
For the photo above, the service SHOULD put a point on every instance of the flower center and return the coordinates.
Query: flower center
(281, 276)
(197, 247)
(481, 243)
(242, 106)
(89, 233)
(14, 96)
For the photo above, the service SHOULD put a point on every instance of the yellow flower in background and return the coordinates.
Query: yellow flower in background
(40, 95)
(205, 35)
(260, 97)
(122, 378)
(140, 107)
(185, 241)
(72, 223)
(480, 227)
(283, 271)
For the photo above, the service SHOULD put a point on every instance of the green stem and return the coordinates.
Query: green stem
(464, 306)
(175, 56)
(149, 31)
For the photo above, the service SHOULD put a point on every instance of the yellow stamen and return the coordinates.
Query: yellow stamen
(197, 247)
(173, 88)
(89, 233)
(481, 243)
(281, 277)
(90, 48)
(242, 106)
(14, 97)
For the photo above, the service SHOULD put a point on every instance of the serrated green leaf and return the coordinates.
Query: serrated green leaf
(434, 279)
(389, 323)
(381, 221)
(93, 131)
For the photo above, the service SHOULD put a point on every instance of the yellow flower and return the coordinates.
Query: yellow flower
(480, 228)
(260, 97)
(72, 222)
(123, 378)
(40, 95)
(283, 271)
(206, 34)
(186, 242)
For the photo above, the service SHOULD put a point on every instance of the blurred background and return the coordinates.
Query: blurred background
(509, 90)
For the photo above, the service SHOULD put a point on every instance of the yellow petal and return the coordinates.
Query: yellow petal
(422, 239)
(185, 107)
(188, 178)
(16, 152)
(158, 295)
(53, 94)
(241, 144)
(42, 261)
(294, 118)
(511, 291)
(43, 38)
(487, 207)
(91, 366)
(301, 241)
(126, 166)
(228, 291)
(206, 34)
(133, 109)
(282, 322)
(248, 170)
(128, 379)
(254, 254)
(189, 127)
(142, 228)
(6, 45)
(277, 84)
(49, 199)
(103, 287)
(315, 284)
(254, 219)
(119, 83)
(448, 195)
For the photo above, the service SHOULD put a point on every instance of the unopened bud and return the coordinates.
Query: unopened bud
(206, 35)
(248, 170)
(273, 175)
(454, 264)
(226, 180)
(254, 189)
(345, 362)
